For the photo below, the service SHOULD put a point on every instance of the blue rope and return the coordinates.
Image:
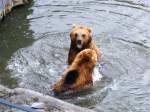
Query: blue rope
(6, 103)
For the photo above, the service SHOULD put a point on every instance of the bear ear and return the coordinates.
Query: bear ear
(90, 30)
(74, 26)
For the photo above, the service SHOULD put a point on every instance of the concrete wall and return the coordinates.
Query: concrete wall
(7, 5)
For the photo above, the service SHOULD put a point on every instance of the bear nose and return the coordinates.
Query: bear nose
(79, 42)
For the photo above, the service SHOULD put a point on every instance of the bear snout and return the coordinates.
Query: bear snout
(79, 42)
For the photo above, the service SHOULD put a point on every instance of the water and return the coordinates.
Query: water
(14, 34)
(34, 50)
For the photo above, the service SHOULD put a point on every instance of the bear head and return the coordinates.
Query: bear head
(81, 36)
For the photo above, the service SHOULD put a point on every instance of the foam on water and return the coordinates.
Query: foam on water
(96, 75)
(146, 77)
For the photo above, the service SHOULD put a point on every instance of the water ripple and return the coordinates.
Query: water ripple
(121, 31)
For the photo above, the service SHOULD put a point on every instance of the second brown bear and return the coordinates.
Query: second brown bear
(78, 75)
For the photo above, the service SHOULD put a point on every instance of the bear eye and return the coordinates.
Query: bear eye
(83, 35)
(75, 34)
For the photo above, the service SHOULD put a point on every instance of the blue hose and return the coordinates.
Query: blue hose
(11, 105)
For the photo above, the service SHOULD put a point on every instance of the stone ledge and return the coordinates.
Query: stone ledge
(6, 6)
(27, 97)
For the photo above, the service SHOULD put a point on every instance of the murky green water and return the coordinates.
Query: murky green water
(14, 34)
(35, 43)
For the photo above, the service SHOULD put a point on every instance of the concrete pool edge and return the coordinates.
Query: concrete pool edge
(6, 6)
(21, 96)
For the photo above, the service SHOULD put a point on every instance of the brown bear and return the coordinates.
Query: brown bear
(78, 75)
(81, 38)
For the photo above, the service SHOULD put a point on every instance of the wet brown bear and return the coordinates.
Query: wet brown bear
(78, 75)
(81, 38)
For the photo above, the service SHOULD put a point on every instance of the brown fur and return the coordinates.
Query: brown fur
(84, 64)
(88, 43)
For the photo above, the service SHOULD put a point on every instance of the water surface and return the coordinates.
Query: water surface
(121, 31)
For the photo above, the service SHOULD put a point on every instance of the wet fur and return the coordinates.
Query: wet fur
(78, 75)
(71, 77)
(88, 43)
